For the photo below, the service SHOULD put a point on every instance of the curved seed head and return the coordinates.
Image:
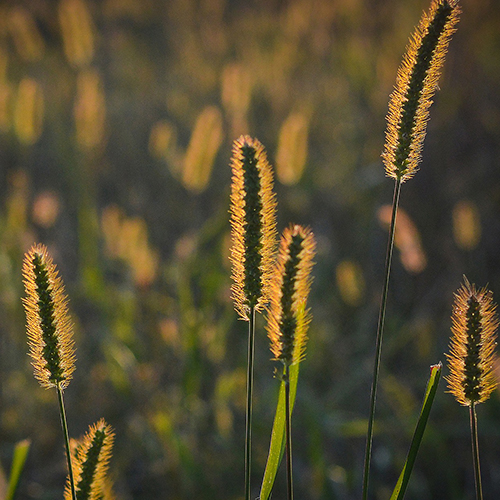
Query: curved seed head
(288, 317)
(416, 84)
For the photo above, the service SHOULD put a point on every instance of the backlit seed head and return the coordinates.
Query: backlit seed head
(90, 457)
(49, 326)
(472, 345)
(253, 226)
(288, 317)
(416, 84)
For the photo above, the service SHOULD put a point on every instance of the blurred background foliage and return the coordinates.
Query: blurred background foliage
(116, 124)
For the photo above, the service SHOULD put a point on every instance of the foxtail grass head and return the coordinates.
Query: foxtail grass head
(472, 345)
(50, 330)
(90, 459)
(253, 226)
(288, 316)
(416, 84)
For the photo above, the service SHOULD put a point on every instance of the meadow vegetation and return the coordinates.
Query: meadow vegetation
(117, 125)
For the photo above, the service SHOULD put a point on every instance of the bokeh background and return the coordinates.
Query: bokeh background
(116, 124)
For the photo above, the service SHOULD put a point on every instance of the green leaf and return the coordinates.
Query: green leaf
(404, 478)
(277, 445)
(20, 454)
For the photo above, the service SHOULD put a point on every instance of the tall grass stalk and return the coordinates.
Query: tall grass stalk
(475, 452)
(64, 425)
(288, 317)
(471, 357)
(416, 84)
(288, 435)
(50, 331)
(249, 405)
(253, 233)
(378, 345)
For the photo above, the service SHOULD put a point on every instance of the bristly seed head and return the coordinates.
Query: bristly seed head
(90, 457)
(49, 327)
(253, 225)
(416, 84)
(288, 317)
(472, 345)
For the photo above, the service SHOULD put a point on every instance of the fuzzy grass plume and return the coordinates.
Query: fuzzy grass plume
(471, 357)
(90, 457)
(49, 327)
(288, 317)
(472, 345)
(407, 118)
(253, 224)
(50, 332)
(416, 84)
(253, 231)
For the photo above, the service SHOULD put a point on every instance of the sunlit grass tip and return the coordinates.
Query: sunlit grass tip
(472, 345)
(416, 84)
(288, 317)
(253, 226)
(49, 327)
(90, 458)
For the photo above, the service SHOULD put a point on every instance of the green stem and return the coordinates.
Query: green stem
(66, 441)
(288, 434)
(378, 348)
(475, 452)
(248, 435)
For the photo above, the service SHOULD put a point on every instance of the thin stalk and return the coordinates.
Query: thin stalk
(475, 452)
(248, 435)
(378, 347)
(288, 435)
(66, 441)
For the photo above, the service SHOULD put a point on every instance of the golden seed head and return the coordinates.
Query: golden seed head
(253, 226)
(416, 84)
(90, 457)
(49, 327)
(288, 317)
(472, 345)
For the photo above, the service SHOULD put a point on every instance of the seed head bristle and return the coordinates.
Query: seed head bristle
(49, 327)
(90, 460)
(288, 316)
(416, 84)
(253, 226)
(472, 345)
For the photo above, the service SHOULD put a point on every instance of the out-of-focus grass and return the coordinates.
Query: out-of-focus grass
(96, 127)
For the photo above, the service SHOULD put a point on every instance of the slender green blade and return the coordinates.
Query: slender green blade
(404, 478)
(277, 445)
(20, 455)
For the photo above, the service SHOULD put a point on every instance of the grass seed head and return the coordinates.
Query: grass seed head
(253, 225)
(416, 84)
(288, 316)
(90, 460)
(472, 345)
(49, 327)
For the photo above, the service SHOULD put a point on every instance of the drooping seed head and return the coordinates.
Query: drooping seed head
(416, 84)
(472, 345)
(49, 327)
(253, 225)
(90, 457)
(288, 316)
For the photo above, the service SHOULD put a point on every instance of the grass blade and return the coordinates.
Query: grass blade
(404, 478)
(20, 455)
(277, 445)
